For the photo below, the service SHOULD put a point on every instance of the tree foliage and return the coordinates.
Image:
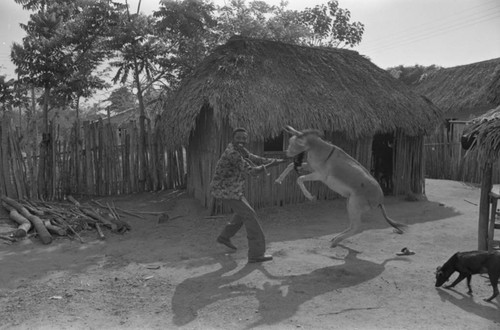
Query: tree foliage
(121, 99)
(63, 47)
(188, 30)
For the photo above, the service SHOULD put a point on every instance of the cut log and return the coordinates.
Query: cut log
(54, 229)
(44, 234)
(23, 224)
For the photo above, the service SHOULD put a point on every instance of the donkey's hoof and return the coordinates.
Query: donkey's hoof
(277, 181)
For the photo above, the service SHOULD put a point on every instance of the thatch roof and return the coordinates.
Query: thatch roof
(465, 91)
(265, 85)
(486, 130)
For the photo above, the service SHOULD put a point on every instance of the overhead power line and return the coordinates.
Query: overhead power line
(429, 34)
(436, 25)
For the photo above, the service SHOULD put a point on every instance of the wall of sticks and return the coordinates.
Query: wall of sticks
(95, 159)
(446, 159)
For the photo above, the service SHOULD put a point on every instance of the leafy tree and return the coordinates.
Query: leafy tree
(121, 99)
(187, 29)
(139, 53)
(331, 26)
(7, 93)
(323, 25)
(58, 54)
(261, 20)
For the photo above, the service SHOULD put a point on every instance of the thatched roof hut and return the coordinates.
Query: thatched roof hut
(265, 85)
(486, 130)
(465, 91)
(485, 149)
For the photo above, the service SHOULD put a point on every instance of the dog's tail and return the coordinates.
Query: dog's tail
(398, 226)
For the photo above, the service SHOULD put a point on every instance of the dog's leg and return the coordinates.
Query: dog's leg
(308, 177)
(469, 277)
(459, 279)
(283, 174)
(494, 284)
(356, 206)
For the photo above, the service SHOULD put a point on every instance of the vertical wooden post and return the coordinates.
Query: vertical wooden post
(484, 205)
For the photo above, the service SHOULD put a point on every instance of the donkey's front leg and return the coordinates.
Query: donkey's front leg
(308, 177)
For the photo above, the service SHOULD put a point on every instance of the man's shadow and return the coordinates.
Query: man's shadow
(465, 302)
(195, 293)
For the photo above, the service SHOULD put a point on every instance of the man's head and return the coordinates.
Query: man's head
(240, 137)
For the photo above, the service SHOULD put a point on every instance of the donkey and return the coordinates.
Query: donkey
(341, 173)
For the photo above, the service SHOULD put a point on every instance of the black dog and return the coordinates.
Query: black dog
(468, 264)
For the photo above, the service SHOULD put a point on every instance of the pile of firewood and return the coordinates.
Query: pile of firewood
(45, 219)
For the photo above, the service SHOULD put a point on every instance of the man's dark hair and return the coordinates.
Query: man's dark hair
(239, 129)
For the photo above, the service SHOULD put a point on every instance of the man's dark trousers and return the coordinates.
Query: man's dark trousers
(245, 214)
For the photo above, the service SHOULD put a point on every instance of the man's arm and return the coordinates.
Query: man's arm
(265, 161)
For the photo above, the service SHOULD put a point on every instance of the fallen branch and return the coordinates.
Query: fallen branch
(7, 238)
(71, 229)
(99, 231)
(470, 202)
(124, 225)
(119, 209)
(89, 211)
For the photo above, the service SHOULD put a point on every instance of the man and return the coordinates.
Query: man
(228, 184)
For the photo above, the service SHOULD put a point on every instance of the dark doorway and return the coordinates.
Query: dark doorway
(382, 161)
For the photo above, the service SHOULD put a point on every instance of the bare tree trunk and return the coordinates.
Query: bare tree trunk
(144, 180)
(5, 174)
(44, 171)
(78, 144)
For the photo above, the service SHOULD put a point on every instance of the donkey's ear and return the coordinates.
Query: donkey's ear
(292, 130)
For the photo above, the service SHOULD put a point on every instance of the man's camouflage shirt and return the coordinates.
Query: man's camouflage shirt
(231, 171)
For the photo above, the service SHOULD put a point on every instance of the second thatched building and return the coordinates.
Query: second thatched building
(264, 85)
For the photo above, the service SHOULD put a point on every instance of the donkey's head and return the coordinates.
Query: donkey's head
(299, 142)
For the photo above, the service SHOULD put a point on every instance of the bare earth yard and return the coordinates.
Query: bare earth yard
(173, 275)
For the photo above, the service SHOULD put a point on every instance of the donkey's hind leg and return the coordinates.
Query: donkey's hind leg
(355, 208)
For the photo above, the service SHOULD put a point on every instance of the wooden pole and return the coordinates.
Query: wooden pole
(484, 206)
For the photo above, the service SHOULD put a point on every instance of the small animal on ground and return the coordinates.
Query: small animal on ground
(341, 173)
(468, 264)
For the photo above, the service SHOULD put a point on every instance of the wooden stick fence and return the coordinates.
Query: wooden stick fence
(96, 159)
(105, 161)
(446, 159)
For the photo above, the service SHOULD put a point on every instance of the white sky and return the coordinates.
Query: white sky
(397, 32)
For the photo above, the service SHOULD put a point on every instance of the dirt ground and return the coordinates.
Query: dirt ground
(173, 275)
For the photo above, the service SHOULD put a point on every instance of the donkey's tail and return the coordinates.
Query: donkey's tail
(397, 225)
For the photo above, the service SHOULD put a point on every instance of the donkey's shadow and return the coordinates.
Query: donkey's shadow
(275, 303)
